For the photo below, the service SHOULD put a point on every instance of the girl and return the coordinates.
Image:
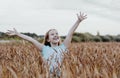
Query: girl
(52, 48)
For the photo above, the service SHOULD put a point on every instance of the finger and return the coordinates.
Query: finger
(7, 32)
(77, 14)
(81, 17)
(14, 29)
(80, 13)
(10, 31)
(85, 15)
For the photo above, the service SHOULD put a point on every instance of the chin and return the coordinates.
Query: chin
(56, 42)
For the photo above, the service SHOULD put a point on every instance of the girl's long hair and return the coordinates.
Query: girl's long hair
(47, 37)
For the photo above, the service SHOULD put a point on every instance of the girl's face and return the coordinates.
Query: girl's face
(53, 37)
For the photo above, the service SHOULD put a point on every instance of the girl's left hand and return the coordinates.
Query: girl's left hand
(81, 16)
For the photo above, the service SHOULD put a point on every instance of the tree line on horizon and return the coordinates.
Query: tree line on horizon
(77, 37)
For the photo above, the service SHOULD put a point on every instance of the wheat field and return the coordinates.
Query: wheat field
(83, 60)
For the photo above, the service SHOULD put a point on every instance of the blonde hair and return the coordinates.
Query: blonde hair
(47, 37)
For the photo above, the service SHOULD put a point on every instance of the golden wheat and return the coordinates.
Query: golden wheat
(84, 60)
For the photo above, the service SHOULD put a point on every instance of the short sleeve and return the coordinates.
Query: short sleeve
(46, 52)
(63, 47)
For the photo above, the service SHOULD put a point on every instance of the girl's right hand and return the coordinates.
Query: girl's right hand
(12, 32)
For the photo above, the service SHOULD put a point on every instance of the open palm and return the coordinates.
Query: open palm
(81, 16)
(12, 32)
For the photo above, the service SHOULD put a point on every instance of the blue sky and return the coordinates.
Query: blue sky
(38, 16)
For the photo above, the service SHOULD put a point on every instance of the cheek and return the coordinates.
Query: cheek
(50, 38)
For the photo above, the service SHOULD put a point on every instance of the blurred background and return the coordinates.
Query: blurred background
(38, 16)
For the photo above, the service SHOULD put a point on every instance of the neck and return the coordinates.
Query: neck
(54, 44)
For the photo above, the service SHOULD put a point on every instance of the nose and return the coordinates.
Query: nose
(55, 35)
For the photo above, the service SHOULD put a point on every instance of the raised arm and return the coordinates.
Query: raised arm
(30, 39)
(68, 38)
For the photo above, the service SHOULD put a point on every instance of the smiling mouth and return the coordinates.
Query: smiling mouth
(56, 38)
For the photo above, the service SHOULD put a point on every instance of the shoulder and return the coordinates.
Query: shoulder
(62, 46)
(45, 47)
(46, 50)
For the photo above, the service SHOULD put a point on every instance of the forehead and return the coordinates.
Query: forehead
(53, 31)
